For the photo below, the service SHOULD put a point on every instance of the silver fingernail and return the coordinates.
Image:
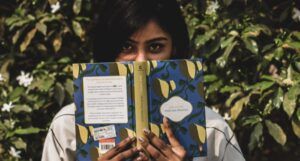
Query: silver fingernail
(141, 139)
(146, 131)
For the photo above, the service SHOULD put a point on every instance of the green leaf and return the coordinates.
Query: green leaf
(27, 40)
(10, 20)
(263, 85)
(227, 42)
(267, 47)
(210, 78)
(19, 144)
(41, 27)
(230, 89)
(20, 23)
(296, 64)
(202, 39)
(59, 93)
(69, 87)
(278, 53)
(16, 37)
(64, 60)
(232, 97)
(22, 108)
(251, 45)
(229, 49)
(77, 6)
(57, 42)
(268, 108)
(238, 106)
(26, 131)
(294, 45)
(276, 132)
(296, 34)
(16, 93)
(267, 77)
(78, 29)
(251, 120)
(212, 47)
(256, 137)
(278, 99)
(298, 114)
(289, 100)
(43, 84)
(296, 127)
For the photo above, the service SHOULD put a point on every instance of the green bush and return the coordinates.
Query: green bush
(251, 51)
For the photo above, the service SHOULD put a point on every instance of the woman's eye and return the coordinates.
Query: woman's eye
(156, 48)
(127, 48)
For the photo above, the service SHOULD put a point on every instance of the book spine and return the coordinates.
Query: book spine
(141, 99)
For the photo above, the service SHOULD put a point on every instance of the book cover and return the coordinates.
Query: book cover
(115, 100)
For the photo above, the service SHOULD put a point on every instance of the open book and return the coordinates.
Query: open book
(119, 99)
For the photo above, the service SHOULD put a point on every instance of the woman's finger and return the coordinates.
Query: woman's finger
(141, 157)
(173, 141)
(126, 154)
(118, 148)
(154, 153)
(158, 143)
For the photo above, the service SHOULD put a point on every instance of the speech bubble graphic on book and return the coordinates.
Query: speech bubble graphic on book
(176, 109)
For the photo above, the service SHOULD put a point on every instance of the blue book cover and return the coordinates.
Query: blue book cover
(108, 104)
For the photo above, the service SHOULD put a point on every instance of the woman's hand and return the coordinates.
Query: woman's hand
(122, 151)
(161, 151)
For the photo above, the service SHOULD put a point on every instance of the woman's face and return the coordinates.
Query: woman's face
(148, 43)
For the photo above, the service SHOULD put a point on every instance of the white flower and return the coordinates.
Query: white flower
(296, 14)
(1, 78)
(24, 79)
(7, 107)
(55, 7)
(212, 7)
(215, 109)
(221, 62)
(226, 116)
(288, 82)
(13, 152)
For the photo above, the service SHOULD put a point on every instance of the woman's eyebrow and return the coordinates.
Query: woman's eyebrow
(157, 39)
(148, 41)
(131, 41)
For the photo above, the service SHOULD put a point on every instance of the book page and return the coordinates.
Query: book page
(105, 100)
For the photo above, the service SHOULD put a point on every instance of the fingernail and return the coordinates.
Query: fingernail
(132, 138)
(147, 131)
(139, 159)
(128, 139)
(141, 139)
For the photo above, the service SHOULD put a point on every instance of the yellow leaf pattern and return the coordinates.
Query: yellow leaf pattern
(83, 133)
(155, 129)
(75, 70)
(172, 85)
(161, 87)
(94, 153)
(198, 133)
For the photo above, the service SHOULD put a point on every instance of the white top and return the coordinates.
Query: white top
(60, 143)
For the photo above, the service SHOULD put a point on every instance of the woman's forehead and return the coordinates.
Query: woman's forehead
(150, 31)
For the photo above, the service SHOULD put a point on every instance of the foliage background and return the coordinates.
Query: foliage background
(252, 63)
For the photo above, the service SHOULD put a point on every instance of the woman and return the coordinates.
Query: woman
(136, 30)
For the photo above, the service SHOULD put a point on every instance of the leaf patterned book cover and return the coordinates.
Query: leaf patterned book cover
(104, 95)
